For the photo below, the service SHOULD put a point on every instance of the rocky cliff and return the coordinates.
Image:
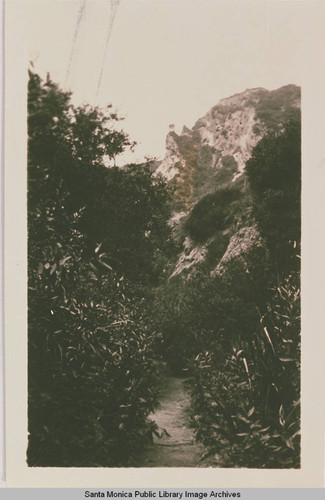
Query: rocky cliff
(214, 152)
(212, 155)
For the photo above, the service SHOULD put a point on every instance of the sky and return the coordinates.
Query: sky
(167, 62)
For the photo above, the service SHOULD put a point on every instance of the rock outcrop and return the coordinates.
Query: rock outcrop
(213, 154)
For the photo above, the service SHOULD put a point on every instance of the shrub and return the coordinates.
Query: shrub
(246, 402)
(274, 174)
(92, 379)
(212, 213)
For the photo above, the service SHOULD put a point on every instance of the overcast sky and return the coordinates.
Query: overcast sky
(167, 61)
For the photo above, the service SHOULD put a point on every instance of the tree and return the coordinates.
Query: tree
(126, 210)
(274, 173)
(91, 377)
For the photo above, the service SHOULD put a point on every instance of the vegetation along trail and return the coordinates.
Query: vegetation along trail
(177, 446)
(198, 266)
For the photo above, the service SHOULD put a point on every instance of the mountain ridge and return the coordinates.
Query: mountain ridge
(214, 152)
(211, 157)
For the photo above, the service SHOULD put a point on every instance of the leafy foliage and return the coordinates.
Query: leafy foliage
(102, 316)
(212, 213)
(246, 400)
(126, 210)
(92, 375)
(238, 339)
(200, 308)
(274, 173)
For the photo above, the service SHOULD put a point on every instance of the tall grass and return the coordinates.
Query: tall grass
(246, 402)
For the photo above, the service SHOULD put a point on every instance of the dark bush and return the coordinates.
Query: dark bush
(92, 376)
(246, 402)
(274, 174)
(92, 379)
(212, 213)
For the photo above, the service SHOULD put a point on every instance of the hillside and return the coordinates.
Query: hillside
(212, 156)
(214, 152)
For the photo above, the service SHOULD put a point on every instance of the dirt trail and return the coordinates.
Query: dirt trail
(178, 448)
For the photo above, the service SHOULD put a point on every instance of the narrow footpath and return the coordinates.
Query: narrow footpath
(177, 446)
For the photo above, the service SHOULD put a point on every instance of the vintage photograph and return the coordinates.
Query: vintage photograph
(164, 233)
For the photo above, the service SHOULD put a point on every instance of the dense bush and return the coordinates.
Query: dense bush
(274, 174)
(246, 401)
(193, 310)
(126, 210)
(92, 378)
(212, 213)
